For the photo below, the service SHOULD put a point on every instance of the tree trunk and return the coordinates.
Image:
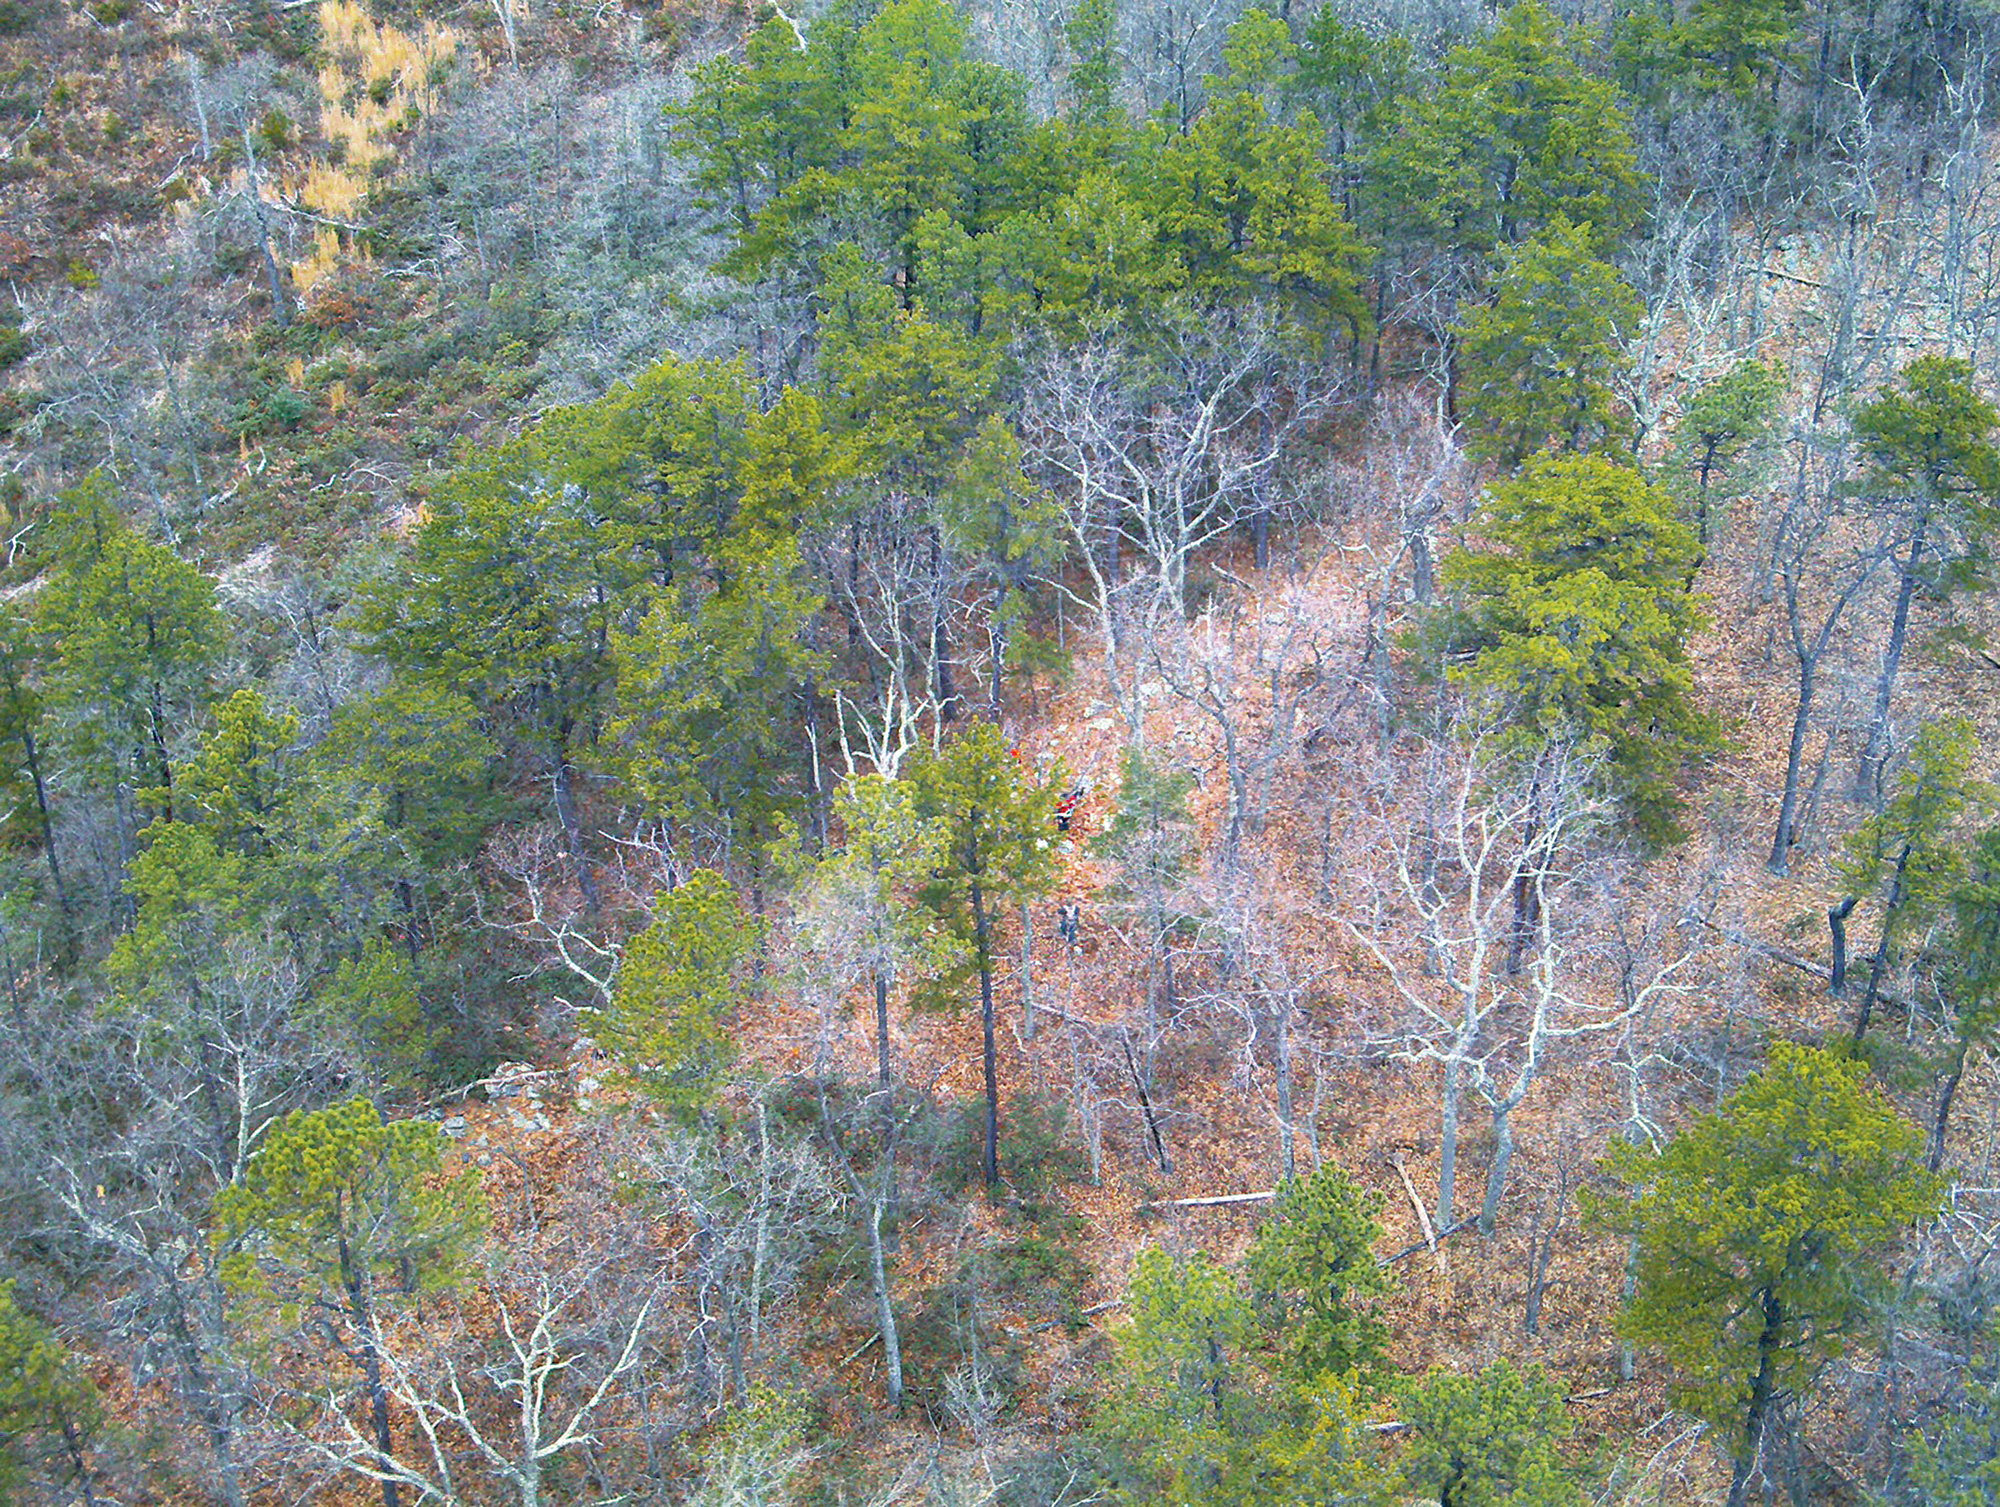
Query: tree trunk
(1027, 971)
(361, 1313)
(281, 309)
(882, 1067)
(1627, 1358)
(1868, 769)
(1879, 964)
(886, 1087)
(34, 761)
(1942, 1120)
(1448, 1144)
(207, 1394)
(885, 1310)
(73, 1447)
(1141, 1087)
(1423, 574)
(1541, 1253)
(1781, 843)
(940, 636)
(1761, 1392)
(990, 1162)
(1287, 1133)
(572, 824)
(200, 100)
(1701, 506)
(1496, 1174)
(1836, 923)
(1527, 888)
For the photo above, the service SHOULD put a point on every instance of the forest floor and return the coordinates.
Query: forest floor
(1459, 1302)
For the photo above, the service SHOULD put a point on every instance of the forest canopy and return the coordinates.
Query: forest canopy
(910, 751)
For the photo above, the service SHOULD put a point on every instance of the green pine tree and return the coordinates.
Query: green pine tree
(51, 1416)
(709, 698)
(1574, 618)
(1489, 1439)
(1191, 1416)
(1723, 436)
(242, 786)
(1909, 856)
(1760, 1233)
(335, 1208)
(1516, 133)
(1537, 364)
(1314, 1274)
(994, 826)
(134, 640)
(1934, 481)
(678, 989)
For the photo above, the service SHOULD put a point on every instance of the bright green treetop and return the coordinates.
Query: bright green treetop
(336, 1203)
(1515, 134)
(1971, 949)
(1242, 201)
(1761, 1230)
(1909, 857)
(508, 598)
(759, 126)
(241, 786)
(1350, 76)
(372, 1002)
(1191, 1417)
(663, 456)
(995, 833)
(1181, 1390)
(858, 884)
(905, 394)
(1575, 617)
(191, 898)
(1092, 256)
(1537, 363)
(134, 637)
(794, 468)
(1315, 1277)
(1092, 34)
(993, 823)
(706, 725)
(678, 988)
(1151, 834)
(1488, 1439)
(1929, 439)
(1734, 46)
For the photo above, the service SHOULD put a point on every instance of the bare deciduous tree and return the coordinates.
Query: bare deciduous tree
(1476, 927)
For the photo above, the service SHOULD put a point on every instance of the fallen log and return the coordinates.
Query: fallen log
(1211, 1202)
(1423, 1218)
(1433, 1242)
(1797, 960)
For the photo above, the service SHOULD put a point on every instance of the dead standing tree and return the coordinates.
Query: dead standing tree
(1157, 452)
(1269, 991)
(1247, 666)
(1412, 474)
(1486, 982)
(571, 1315)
